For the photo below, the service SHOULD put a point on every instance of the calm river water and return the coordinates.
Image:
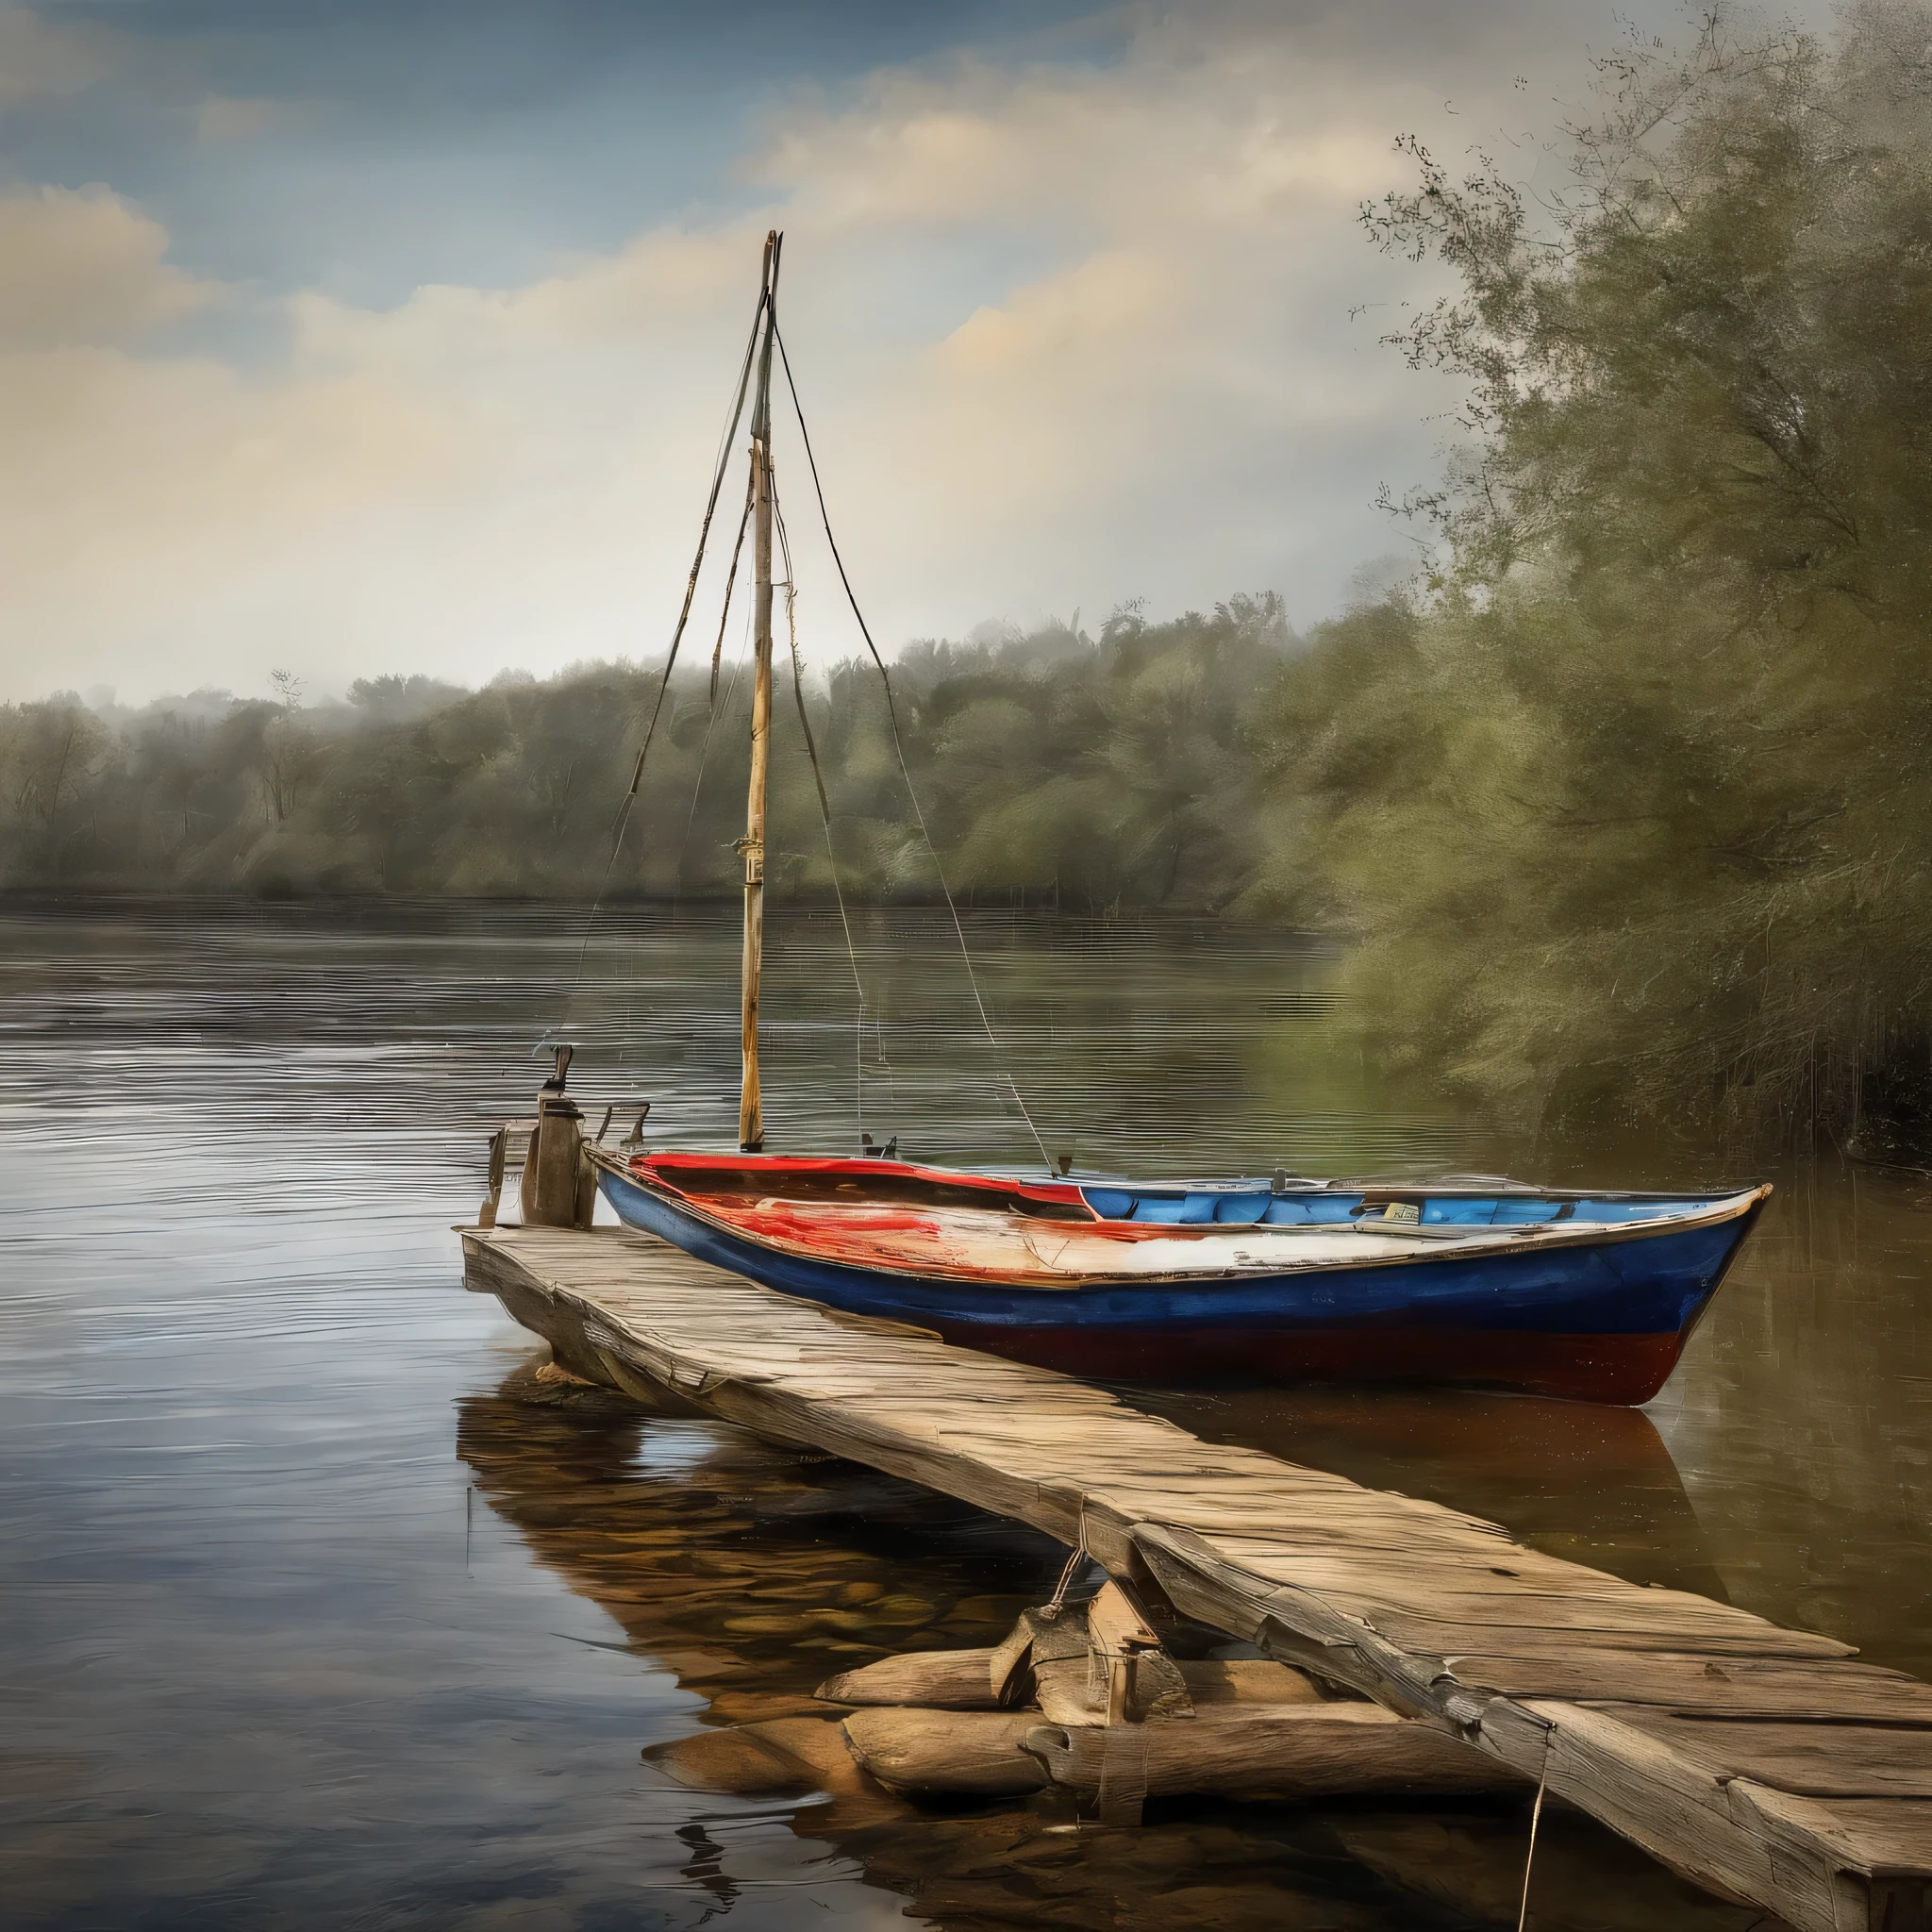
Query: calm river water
(319, 1611)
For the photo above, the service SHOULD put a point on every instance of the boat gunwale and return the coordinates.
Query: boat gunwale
(1463, 1188)
(1528, 1237)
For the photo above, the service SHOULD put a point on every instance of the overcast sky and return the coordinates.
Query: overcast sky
(353, 336)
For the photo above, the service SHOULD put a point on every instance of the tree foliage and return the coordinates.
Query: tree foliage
(1053, 768)
(1629, 797)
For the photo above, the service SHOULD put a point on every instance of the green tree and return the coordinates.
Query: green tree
(1629, 800)
(53, 756)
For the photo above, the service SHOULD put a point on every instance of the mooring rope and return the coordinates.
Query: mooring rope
(1536, 1817)
(899, 752)
(1057, 1602)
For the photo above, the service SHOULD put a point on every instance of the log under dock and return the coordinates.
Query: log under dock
(1764, 1763)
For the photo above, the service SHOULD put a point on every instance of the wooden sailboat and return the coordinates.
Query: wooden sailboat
(1582, 1294)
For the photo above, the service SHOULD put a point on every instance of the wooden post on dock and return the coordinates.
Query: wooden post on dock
(557, 1192)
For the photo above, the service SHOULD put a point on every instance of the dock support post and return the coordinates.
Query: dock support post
(556, 1191)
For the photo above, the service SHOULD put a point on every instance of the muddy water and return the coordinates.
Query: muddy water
(318, 1609)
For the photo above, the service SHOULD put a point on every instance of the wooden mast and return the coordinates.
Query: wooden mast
(751, 1117)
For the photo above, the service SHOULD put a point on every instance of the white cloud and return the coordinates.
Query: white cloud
(83, 266)
(1067, 334)
(179, 518)
(40, 59)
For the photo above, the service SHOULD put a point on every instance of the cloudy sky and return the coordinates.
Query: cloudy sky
(352, 336)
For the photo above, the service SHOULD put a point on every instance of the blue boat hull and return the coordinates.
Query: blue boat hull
(1601, 1321)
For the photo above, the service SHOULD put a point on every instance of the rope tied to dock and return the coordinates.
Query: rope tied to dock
(1536, 1817)
(1057, 1602)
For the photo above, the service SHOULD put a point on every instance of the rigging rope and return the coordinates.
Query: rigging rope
(818, 779)
(691, 586)
(899, 752)
(717, 712)
(721, 462)
(730, 580)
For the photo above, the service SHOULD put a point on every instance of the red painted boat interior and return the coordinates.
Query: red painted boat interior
(724, 1182)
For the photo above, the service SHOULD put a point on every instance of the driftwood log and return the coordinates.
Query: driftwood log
(1116, 1720)
(1262, 1751)
(936, 1679)
(1253, 1752)
(973, 1754)
(961, 1680)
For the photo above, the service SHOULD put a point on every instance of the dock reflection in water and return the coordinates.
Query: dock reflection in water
(753, 1571)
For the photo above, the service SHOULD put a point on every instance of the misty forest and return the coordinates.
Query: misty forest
(1621, 801)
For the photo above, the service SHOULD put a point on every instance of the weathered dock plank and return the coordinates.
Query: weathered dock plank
(1753, 1758)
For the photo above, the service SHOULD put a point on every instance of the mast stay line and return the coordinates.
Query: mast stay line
(818, 779)
(761, 512)
(636, 774)
(730, 581)
(691, 586)
(899, 752)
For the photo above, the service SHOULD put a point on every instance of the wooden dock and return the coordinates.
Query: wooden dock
(1759, 1761)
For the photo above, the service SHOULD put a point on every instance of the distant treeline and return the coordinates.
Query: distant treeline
(1626, 799)
(1058, 769)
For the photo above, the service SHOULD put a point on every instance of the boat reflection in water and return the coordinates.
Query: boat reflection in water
(752, 1571)
(1587, 1481)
